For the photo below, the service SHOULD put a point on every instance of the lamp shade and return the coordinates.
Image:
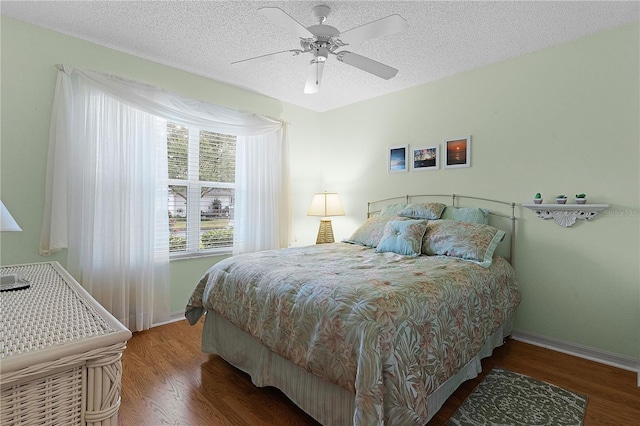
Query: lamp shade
(7, 223)
(325, 204)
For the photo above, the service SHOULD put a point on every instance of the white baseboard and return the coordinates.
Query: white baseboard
(173, 317)
(176, 316)
(592, 354)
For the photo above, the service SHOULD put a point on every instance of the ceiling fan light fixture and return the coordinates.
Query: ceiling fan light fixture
(321, 53)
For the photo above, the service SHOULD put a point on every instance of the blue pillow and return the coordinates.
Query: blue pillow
(403, 237)
(393, 209)
(370, 232)
(466, 214)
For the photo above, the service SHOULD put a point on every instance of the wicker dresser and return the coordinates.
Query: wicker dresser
(60, 352)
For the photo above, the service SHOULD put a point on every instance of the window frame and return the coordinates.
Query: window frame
(194, 187)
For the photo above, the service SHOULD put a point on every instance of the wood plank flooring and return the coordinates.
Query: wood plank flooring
(167, 380)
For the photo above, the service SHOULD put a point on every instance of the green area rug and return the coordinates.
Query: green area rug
(507, 398)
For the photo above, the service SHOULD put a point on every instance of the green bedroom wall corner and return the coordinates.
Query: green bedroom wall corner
(560, 120)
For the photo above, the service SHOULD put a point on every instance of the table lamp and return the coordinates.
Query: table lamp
(7, 223)
(325, 204)
(10, 281)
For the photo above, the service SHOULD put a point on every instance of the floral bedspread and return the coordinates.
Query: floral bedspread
(387, 327)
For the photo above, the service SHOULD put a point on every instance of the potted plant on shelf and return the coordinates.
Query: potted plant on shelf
(538, 198)
(561, 199)
(581, 198)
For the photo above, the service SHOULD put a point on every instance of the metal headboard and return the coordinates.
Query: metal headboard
(376, 206)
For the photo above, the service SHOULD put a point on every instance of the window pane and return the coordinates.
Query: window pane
(216, 217)
(177, 150)
(217, 157)
(177, 218)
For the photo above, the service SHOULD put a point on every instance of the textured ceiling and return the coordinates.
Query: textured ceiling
(443, 39)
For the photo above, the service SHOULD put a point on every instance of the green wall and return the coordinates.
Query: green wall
(560, 120)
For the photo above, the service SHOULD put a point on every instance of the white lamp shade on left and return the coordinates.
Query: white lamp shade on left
(325, 204)
(7, 223)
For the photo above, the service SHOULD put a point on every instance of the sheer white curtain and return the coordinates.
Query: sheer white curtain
(105, 200)
(258, 213)
(105, 162)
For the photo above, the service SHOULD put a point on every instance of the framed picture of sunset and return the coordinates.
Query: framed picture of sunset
(425, 158)
(457, 152)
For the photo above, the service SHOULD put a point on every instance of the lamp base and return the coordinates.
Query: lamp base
(325, 233)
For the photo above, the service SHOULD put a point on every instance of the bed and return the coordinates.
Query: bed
(380, 328)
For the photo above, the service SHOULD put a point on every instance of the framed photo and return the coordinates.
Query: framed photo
(425, 158)
(398, 161)
(457, 152)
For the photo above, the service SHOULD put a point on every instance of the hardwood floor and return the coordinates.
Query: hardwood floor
(168, 380)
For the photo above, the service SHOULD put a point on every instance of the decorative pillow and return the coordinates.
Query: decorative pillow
(403, 237)
(392, 209)
(468, 241)
(466, 214)
(423, 211)
(370, 233)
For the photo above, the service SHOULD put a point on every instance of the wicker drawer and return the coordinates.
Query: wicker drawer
(60, 352)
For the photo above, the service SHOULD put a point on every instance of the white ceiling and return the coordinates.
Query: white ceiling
(444, 38)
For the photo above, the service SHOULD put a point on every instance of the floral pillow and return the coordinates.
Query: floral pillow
(468, 241)
(423, 211)
(403, 237)
(370, 233)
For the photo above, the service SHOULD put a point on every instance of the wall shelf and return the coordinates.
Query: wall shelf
(566, 215)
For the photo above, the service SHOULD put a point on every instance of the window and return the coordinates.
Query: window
(201, 189)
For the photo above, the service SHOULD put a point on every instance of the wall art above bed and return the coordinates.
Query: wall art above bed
(457, 152)
(398, 158)
(425, 158)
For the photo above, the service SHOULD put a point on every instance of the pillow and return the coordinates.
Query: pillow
(370, 233)
(466, 214)
(392, 209)
(468, 241)
(403, 237)
(423, 211)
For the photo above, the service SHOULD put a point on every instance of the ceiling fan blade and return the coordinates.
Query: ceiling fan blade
(368, 65)
(385, 26)
(314, 77)
(282, 19)
(267, 57)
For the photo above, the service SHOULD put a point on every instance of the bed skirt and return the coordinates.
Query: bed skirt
(329, 404)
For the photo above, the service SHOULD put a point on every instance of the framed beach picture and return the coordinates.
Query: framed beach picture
(398, 161)
(425, 158)
(457, 152)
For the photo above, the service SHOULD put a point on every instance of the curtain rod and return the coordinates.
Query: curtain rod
(266, 116)
(61, 68)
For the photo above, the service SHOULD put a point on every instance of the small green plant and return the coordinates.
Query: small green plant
(581, 195)
(561, 196)
(538, 196)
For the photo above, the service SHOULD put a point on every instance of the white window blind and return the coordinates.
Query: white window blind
(201, 189)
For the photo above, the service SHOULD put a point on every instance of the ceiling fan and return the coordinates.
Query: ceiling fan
(323, 40)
